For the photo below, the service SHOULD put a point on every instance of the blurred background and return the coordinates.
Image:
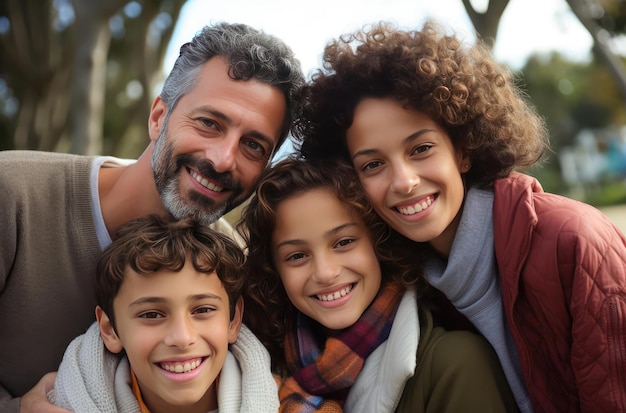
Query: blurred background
(79, 75)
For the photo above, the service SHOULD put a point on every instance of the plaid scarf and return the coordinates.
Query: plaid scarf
(323, 377)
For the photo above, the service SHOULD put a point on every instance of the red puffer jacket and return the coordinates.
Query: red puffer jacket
(562, 267)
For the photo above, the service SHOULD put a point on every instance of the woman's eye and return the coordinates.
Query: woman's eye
(345, 242)
(422, 149)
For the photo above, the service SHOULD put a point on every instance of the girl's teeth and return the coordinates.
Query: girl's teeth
(335, 295)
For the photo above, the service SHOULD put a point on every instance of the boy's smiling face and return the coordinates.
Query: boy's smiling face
(175, 328)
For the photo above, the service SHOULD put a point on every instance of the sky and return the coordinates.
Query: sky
(526, 27)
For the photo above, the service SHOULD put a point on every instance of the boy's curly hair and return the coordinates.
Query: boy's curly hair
(152, 243)
(464, 90)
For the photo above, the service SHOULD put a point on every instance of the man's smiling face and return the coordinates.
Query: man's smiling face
(208, 154)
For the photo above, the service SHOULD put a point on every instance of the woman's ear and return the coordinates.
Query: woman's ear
(107, 332)
(465, 163)
(235, 323)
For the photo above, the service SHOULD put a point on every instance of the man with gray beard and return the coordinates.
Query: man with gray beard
(224, 110)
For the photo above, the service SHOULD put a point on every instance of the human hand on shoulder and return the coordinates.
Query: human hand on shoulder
(36, 400)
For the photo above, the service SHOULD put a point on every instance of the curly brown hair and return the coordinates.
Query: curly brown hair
(463, 89)
(152, 243)
(268, 309)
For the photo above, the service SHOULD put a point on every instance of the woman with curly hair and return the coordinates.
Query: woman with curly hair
(438, 133)
(339, 310)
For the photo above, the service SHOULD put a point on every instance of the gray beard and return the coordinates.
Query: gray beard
(165, 173)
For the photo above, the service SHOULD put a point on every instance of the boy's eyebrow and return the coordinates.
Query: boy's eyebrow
(161, 300)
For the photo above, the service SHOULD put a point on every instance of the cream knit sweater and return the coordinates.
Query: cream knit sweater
(91, 379)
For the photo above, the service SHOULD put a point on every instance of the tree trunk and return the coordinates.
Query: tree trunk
(600, 49)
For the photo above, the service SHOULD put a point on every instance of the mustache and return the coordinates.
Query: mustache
(205, 168)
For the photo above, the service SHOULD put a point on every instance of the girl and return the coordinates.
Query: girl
(435, 132)
(339, 312)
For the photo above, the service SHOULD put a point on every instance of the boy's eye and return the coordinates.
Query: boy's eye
(204, 310)
(150, 314)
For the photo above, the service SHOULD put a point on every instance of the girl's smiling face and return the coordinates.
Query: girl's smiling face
(409, 169)
(325, 258)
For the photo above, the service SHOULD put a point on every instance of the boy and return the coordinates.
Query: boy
(169, 301)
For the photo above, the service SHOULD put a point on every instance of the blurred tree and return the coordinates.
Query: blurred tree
(486, 23)
(71, 69)
(605, 20)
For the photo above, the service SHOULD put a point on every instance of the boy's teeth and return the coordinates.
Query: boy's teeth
(181, 367)
(418, 207)
(335, 295)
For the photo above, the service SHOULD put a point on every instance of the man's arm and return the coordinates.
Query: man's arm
(35, 401)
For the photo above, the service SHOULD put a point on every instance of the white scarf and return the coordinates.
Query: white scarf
(91, 379)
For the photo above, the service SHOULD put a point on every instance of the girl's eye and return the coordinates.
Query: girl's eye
(371, 165)
(296, 256)
(150, 314)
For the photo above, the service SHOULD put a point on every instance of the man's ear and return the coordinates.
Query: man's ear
(107, 332)
(156, 118)
(235, 323)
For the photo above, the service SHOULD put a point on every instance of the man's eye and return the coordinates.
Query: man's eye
(209, 123)
(257, 148)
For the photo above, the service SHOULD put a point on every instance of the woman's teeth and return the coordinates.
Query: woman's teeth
(418, 207)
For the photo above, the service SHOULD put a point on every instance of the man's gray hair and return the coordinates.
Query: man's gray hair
(251, 53)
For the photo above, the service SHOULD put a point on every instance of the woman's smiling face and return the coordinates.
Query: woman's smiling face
(409, 169)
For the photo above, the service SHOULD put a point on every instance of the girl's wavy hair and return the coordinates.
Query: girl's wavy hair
(152, 243)
(268, 309)
(463, 89)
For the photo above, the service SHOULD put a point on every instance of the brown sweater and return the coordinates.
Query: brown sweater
(48, 254)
